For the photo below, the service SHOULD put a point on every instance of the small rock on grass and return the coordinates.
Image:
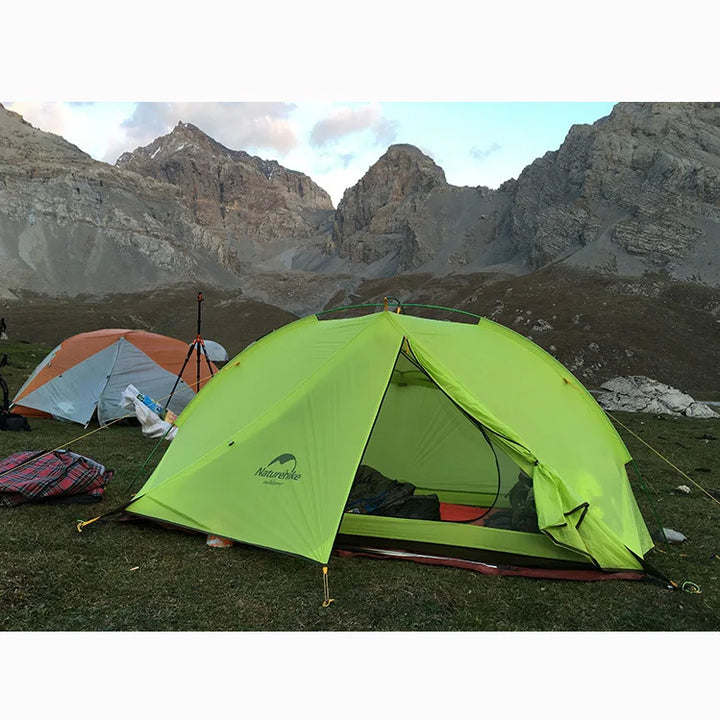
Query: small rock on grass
(668, 535)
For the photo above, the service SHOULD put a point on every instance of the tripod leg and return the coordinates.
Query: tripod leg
(182, 370)
(207, 359)
(198, 345)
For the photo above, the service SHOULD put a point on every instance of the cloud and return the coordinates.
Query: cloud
(238, 126)
(106, 130)
(347, 121)
(51, 117)
(385, 131)
(478, 153)
(347, 159)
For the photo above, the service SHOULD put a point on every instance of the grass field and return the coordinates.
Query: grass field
(132, 576)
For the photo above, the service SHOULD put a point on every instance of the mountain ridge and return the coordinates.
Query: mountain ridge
(635, 192)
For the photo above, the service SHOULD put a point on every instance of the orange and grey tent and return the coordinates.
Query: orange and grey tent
(89, 372)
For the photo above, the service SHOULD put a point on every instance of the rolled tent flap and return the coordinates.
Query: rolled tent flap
(577, 524)
(549, 424)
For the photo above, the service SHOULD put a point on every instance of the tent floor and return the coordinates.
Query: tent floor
(488, 568)
(484, 561)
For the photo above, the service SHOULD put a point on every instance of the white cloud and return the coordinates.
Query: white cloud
(345, 121)
(57, 118)
(478, 153)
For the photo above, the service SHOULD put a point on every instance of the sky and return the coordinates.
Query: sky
(324, 87)
(335, 143)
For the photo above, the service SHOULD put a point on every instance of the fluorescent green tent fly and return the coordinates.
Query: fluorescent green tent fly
(267, 453)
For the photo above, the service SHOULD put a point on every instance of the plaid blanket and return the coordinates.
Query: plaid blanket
(35, 476)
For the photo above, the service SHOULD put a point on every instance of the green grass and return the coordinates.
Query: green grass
(53, 578)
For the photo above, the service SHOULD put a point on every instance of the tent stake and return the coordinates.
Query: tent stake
(326, 588)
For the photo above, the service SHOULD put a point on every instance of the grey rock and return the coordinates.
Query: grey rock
(72, 225)
(700, 410)
(636, 192)
(642, 394)
(541, 326)
(668, 535)
(403, 216)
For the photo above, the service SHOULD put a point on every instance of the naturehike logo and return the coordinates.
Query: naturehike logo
(283, 467)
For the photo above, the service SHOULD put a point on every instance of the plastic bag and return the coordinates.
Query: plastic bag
(152, 424)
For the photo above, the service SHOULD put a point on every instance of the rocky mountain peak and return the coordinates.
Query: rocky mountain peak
(251, 202)
(636, 192)
(375, 217)
(70, 224)
(184, 138)
(402, 170)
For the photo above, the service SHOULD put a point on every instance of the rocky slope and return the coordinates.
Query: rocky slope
(403, 216)
(258, 207)
(636, 192)
(384, 213)
(71, 225)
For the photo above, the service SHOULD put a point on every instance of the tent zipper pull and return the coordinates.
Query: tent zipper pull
(326, 588)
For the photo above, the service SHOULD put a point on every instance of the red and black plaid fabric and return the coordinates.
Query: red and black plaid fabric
(31, 476)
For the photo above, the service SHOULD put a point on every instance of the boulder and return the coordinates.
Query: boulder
(700, 410)
(642, 394)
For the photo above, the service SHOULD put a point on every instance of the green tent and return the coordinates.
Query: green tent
(267, 453)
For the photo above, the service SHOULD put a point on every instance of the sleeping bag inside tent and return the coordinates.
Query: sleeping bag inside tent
(88, 373)
(462, 440)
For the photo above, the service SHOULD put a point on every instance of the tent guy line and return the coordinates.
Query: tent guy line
(664, 459)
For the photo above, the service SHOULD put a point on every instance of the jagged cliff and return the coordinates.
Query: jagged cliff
(403, 216)
(637, 191)
(258, 207)
(385, 212)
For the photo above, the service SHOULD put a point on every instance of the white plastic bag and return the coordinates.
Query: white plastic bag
(151, 423)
